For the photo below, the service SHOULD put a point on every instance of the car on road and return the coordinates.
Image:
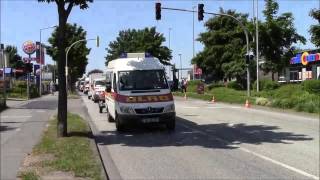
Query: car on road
(137, 92)
(98, 90)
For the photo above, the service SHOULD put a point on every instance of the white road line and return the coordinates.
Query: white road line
(40, 111)
(16, 116)
(222, 107)
(190, 107)
(259, 155)
(18, 129)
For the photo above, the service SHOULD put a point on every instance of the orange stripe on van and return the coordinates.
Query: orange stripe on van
(142, 99)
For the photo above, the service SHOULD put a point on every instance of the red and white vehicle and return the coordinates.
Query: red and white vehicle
(98, 90)
(137, 92)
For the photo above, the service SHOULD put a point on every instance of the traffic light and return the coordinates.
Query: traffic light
(200, 12)
(249, 57)
(98, 41)
(158, 11)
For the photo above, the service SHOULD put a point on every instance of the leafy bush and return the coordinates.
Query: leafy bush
(262, 101)
(312, 86)
(235, 85)
(215, 85)
(266, 84)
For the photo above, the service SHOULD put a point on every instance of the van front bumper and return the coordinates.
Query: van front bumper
(135, 118)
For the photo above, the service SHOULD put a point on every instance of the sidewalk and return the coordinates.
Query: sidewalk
(21, 127)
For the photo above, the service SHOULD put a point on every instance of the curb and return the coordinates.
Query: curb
(114, 173)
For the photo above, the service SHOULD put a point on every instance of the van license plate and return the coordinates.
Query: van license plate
(150, 120)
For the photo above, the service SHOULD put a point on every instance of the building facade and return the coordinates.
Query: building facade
(304, 66)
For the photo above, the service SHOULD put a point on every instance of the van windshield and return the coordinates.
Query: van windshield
(100, 83)
(142, 80)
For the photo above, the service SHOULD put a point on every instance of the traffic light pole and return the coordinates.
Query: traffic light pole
(242, 26)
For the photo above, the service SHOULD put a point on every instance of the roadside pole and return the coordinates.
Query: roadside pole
(240, 23)
(3, 74)
(28, 81)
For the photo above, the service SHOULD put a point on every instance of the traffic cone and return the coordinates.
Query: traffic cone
(247, 105)
(213, 100)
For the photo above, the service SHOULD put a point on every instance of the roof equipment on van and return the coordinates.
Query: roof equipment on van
(136, 55)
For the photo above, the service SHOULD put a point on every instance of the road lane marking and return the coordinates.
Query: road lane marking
(257, 154)
(222, 107)
(190, 107)
(18, 129)
(40, 111)
(16, 116)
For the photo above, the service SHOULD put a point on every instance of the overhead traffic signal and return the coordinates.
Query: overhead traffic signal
(98, 41)
(200, 12)
(158, 11)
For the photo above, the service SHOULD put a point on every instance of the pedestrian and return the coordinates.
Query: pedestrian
(184, 85)
(52, 86)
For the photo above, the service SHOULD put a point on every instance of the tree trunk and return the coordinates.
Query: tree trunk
(62, 101)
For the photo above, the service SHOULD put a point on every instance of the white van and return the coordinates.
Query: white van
(137, 92)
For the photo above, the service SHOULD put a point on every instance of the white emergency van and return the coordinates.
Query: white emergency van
(137, 92)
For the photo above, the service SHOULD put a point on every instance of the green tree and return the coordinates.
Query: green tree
(224, 47)
(277, 36)
(15, 60)
(64, 9)
(142, 40)
(315, 29)
(77, 57)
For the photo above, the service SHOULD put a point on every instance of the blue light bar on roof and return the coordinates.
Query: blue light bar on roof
(123, 55)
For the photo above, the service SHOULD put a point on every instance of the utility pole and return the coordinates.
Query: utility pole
(41, 60)
(257, 44)
(180, 67)
(193, 69)
(169, 49)
(3, 62)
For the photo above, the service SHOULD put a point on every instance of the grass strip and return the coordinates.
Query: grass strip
(73, 153)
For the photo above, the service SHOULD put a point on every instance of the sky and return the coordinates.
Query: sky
(21, 20)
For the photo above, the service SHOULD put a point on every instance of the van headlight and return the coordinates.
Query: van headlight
(169, 108)
(127, 110)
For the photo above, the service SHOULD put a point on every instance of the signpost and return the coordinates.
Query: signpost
(29, 48)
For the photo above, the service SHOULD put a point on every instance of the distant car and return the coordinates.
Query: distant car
(98, 90)
(86, 89)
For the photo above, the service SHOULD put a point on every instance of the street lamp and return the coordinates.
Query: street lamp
(40, 49)
(169, 49)
(67, 51)
(193, 7)
(180, 67)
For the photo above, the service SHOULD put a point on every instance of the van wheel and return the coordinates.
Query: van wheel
(171, 125)
(119, 125)
(109, 118)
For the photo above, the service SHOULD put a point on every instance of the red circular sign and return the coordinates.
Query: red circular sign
(29, 47)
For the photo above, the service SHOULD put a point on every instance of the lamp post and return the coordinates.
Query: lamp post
(169, 48)
(193, 7)
(40, 47)
(180, 67)
(257, 44)
(67, 51)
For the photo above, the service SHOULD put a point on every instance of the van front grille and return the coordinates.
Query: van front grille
(149, 110)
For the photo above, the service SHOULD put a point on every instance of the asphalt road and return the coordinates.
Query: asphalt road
(212, 141)
(21, 127)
